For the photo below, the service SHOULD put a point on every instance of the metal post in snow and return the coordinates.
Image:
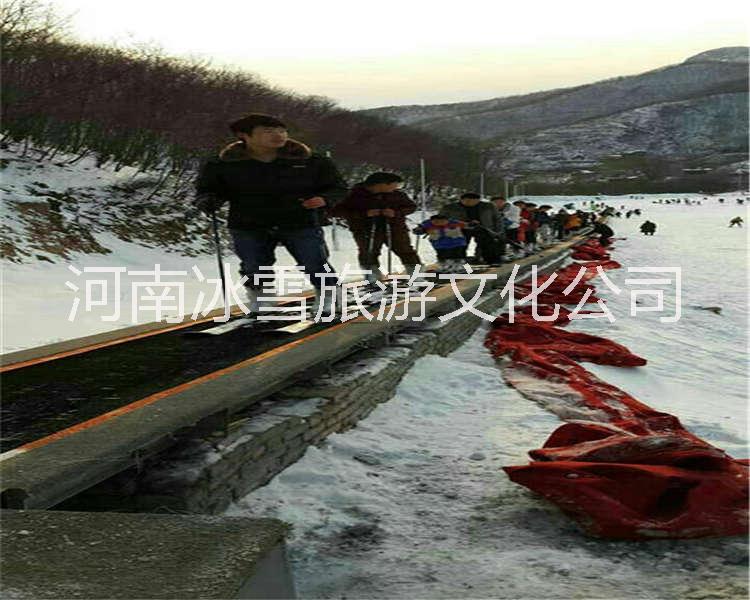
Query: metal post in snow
(423, 192)
(217, 246)
(481, 185)
(334, 227)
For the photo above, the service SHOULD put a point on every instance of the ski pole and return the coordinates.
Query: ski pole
(371, 241)
(334, 223)
(217, 243)
(334, 235)
(389, 239)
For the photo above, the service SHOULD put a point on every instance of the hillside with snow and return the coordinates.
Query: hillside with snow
(59, 212)
(56, 208)
(683, 127)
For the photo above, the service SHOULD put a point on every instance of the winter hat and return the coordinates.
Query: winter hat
(382, 177)
(247, 123)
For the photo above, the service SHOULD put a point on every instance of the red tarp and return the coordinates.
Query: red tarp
(534, 341)
(635, 501)
(634, 472)
(554, 291)
(524, 314)
(606, 265)
(590, 250)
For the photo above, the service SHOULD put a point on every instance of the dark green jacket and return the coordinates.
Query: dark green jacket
(263, 195)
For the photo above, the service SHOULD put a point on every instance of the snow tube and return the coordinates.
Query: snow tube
(619, 467)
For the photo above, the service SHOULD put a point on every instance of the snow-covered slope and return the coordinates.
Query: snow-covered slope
(56, 207)
(672, 129)
(706, 74)
(59, 213)
(688, 115)
(423, 510)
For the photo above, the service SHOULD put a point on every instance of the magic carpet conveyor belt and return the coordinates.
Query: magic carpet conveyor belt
(82, 416)
(41, 398)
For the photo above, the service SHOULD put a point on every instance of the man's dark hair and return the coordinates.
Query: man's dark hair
(439, 216)
(497, 198)
(472, 195)
(383, 177)
(248, 123)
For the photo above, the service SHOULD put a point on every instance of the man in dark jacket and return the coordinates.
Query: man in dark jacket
(483, 223)
(648, 228)
(558, 223)
(372, 209)
(605, 232)
(277, 190)
(544, 224)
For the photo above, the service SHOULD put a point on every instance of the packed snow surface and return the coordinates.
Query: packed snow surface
(412, 503)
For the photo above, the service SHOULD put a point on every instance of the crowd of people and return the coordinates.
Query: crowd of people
(281, 193)
(738, 221)
(502, 230)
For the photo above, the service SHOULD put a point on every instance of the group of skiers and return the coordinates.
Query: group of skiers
(685, 201)
(280, 193)
(502, 230)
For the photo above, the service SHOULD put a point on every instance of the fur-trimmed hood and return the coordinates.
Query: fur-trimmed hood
(292, 149)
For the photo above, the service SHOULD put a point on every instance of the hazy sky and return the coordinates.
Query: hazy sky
(366, 54)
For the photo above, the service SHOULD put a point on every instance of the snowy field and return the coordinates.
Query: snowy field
(412, 503)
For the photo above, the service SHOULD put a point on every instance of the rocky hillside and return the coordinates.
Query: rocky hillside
(688, 122)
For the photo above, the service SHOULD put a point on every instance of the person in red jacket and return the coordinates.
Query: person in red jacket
(523, 225)
(370, 209)
(529, 213)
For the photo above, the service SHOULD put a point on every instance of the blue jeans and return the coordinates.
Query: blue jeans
(257, 248)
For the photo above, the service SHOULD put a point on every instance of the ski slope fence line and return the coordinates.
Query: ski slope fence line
(618, 467)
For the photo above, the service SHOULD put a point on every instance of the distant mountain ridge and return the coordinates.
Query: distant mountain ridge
(679, 113)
